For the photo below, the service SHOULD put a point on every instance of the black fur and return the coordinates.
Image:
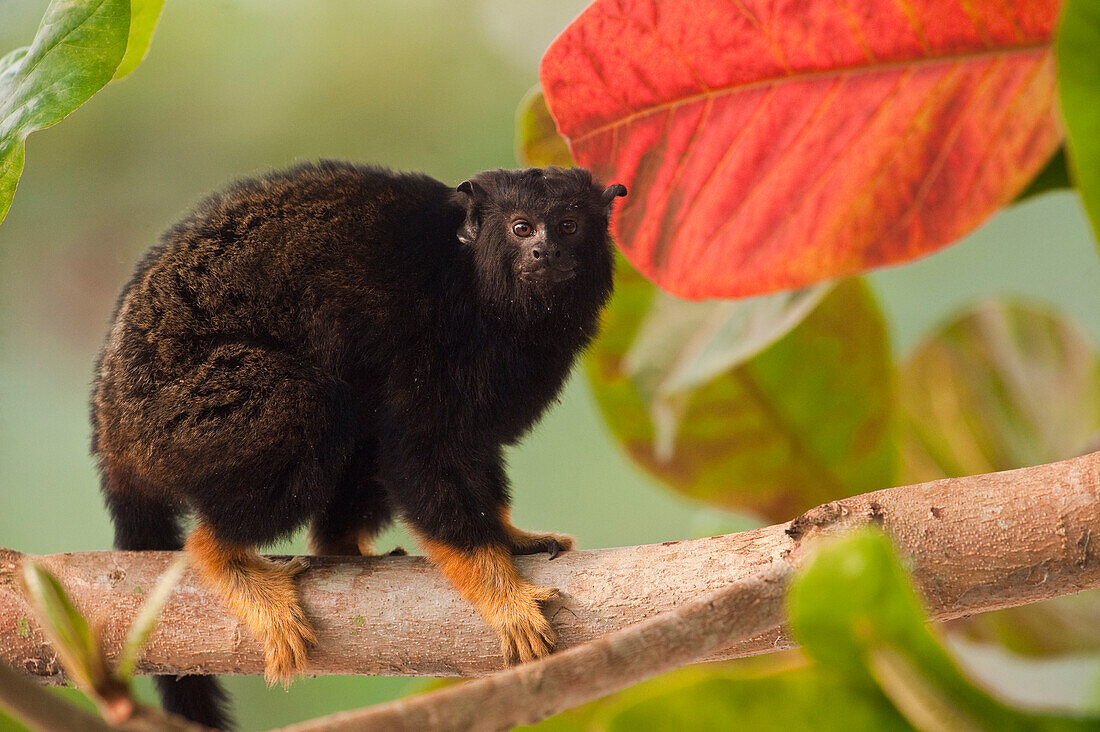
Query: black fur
(199, 698)
(335, 343)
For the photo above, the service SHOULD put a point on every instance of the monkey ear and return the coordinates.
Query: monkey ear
(611, 193)
(467, 233)
(472, 189)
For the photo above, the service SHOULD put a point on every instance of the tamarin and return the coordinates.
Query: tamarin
(335, 344)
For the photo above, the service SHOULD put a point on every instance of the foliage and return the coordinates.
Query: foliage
(80, 46)
(790, 695)
(1051, 178)
(144, 15)
(726, 400)
(738, 135)
(1078, 87)
(853, 609)
(537, 140)
(1005, 384)
(77, 643)
(751, 435)
(146, 620)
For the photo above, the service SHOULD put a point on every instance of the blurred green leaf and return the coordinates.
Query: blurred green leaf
(801, 699)
(146, 620)
(778, 692)
(144, 15)
(807, 420)
(1004, 385)
(78, 46)
(682, 344)
(853, 596)
(1053, 177)
(1065, 625)
(1079, 93)
(852, 608)
(7, 724)
(73, 639)
(538, 143)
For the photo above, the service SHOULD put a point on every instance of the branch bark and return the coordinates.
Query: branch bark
(532, 692)
(975, 544)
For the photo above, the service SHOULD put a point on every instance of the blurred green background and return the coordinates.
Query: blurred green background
(234, 88)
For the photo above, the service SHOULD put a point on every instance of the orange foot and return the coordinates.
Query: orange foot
(510, 604)
(263, 595)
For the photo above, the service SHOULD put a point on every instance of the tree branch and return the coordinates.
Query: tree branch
(975, 544)
(532, 692)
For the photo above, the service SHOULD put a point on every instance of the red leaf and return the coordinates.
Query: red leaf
(769, 144)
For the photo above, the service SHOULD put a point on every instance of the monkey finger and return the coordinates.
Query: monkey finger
(543, 594)
(554, 544)
(508, 649)
(295, 565)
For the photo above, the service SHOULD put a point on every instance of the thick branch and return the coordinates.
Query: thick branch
(532, 692)
(975, 544)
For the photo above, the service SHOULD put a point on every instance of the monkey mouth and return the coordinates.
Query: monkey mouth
(554, 274)
(549, 274)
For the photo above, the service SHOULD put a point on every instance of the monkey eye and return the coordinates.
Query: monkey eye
(569, 226)
(522, 229)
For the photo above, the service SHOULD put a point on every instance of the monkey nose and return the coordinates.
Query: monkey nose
(550, 260)
(549, 252)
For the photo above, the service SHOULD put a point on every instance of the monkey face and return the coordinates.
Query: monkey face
(544, 248)
(538, 233)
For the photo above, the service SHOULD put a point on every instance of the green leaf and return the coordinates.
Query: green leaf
(800, 699)
(1003, 385)
(538, 143)
(683, 344)
(1079, 93)
(807, 420)
(73, 639)
(853, 609)
(144, 15)
(146, 620)
(780, 692)
(78, 46)
(1054, 176)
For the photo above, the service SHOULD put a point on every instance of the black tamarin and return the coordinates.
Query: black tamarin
(333, 345)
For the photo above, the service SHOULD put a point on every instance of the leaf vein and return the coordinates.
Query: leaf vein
(1022, 49)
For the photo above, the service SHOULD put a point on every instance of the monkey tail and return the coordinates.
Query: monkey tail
(143, 523)
(198, 698)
